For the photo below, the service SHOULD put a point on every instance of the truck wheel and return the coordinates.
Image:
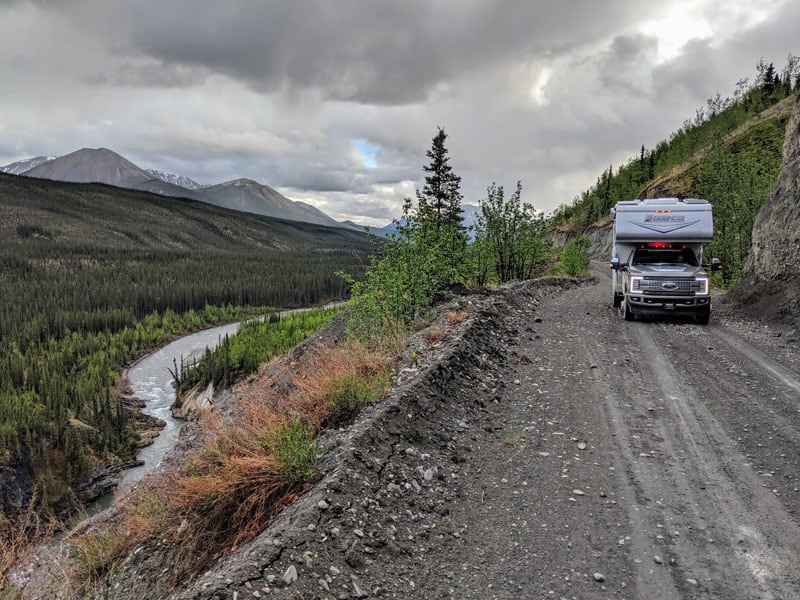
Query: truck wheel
(703, 317)
(629, 316)
(617, 300)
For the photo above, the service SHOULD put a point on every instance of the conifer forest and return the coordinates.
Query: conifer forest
(92, 277)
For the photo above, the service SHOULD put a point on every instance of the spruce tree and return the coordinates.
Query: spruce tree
(440, 199)
(442, 231)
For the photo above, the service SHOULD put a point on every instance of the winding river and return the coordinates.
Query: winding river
(150, 380)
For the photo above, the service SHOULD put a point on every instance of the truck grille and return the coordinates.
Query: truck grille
(669, 286)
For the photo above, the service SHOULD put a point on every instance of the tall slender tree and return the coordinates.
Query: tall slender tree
(441, 223)
(440, 199)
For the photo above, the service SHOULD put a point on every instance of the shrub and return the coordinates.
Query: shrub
(575, 257)
(351, 392)
(95, 553)
(294, 445)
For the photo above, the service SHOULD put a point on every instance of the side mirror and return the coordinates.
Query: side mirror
(614, 264)
(716, 264)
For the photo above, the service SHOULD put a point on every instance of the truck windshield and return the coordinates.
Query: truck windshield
(665, 256)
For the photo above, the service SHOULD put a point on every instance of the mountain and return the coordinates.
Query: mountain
(100, 165)
(21, 166)
(470, 212)
(380, 232)
(92, 165)
(181, 180)
(129, 219)
(246, 195)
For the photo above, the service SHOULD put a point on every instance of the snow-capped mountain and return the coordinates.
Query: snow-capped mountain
(19, 167)
(174, 179)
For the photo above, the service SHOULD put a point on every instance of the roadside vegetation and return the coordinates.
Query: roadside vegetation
(729, 154)
(431, 255)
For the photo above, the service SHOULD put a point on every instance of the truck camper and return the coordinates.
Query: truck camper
(657, 257)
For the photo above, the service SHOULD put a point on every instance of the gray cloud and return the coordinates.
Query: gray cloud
(377, 52)
(548, 93)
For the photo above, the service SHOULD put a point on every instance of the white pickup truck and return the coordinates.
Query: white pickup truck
(657, 257)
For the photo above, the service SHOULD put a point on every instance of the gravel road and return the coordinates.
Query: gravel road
(550, 449)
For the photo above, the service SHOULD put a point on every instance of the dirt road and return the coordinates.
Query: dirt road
(688, 483)
(550, 449)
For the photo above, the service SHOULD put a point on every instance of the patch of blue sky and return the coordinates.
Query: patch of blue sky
(367, 152)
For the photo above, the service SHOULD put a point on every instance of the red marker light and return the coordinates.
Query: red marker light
(659, 245)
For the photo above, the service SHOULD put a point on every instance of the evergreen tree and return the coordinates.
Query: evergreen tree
(440, 200)
(442, 234)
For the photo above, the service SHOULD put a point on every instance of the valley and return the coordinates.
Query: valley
(94, 276)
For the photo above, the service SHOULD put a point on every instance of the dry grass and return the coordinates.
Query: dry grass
(18, 540)
(433, 337)
(250, 470)
(232, 488)
(93, 553)
(339, 382)
(453, 318)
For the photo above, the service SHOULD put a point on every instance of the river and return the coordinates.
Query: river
(151, 380)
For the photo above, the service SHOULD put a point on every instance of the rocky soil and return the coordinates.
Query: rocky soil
(545, 448)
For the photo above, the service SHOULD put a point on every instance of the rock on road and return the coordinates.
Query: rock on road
(557, 451)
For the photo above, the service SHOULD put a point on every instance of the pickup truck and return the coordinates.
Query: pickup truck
(657, 258)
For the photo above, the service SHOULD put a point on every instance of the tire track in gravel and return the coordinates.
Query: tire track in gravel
(742, 543)
(764, 362)
(722, 533)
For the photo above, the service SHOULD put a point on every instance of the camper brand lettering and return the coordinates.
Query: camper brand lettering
(664, 218)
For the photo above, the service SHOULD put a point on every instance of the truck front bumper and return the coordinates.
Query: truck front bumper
(641, 304)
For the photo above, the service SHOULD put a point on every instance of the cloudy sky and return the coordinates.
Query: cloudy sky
(335, 102)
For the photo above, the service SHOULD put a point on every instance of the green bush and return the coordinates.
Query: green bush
(95, 553)
(351, 392)
(575, 257)
(294, 445)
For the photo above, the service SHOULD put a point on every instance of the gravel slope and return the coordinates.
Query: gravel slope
(549, 449)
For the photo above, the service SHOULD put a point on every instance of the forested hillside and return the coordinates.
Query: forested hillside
(92, 276)
(729, 153)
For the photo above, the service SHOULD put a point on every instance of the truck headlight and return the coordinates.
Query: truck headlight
(636, 284)
(702, 286)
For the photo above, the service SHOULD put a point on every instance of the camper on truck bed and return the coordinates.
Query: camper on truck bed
(657, 257)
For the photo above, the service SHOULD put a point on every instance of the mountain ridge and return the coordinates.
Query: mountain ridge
(101, 165)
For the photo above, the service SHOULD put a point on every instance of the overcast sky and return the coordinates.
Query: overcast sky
(335, 102)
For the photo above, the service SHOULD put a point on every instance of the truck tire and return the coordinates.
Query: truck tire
(703, 317)
(617, 300)
(629, 316)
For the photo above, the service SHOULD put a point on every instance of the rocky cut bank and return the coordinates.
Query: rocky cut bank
(770, 286)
